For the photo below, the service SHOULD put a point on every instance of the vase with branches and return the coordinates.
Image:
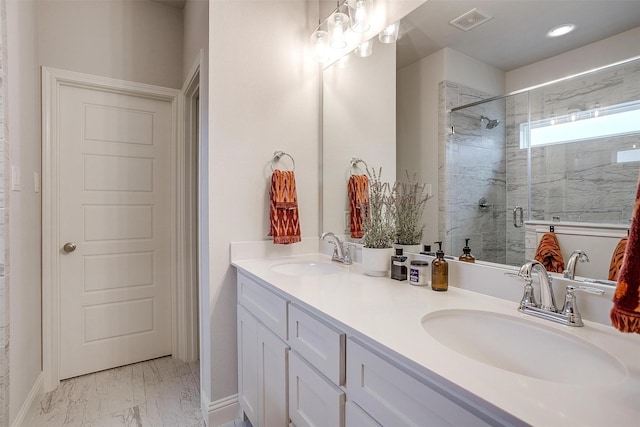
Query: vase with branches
(409, 199)
(378, 224)
(378, 220)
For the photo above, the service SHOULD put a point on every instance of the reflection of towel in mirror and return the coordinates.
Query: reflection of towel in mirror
(549, 254)
(625, 315)
(617, 258)
(283, 212)
(358, 190)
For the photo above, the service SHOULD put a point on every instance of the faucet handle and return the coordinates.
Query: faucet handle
(587, 289)
(346, 254)
(570, 308)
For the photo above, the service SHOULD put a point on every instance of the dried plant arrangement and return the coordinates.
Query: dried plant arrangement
(379, 222)
(409, 199)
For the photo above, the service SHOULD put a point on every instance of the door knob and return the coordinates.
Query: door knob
(69, 247)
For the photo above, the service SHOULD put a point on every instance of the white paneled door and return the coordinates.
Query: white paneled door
(114, 229)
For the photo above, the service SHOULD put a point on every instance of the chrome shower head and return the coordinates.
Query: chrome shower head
(490, 123)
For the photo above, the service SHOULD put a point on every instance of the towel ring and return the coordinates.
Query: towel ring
(354, 164)
(277, 155)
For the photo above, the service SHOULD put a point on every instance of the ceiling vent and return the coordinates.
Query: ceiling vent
(470, 20)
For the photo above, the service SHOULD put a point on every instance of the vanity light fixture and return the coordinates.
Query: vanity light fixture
(359, 12)
(364, 49)
(320, 45)
(338, 25)
(390, 34)
(561, 30)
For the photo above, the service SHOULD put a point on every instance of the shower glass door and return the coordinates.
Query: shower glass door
(487, 180)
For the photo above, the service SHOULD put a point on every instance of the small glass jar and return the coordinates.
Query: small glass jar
(418, 273)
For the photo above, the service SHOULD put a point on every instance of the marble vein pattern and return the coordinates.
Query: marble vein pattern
(159, 392)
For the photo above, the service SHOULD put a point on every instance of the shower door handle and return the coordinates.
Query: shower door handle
(518, 222)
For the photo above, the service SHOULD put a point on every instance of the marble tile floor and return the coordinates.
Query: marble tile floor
(163, 392)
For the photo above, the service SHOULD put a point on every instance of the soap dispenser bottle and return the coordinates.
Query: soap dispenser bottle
(466, 253)
(427, 251)
(439, 271)
(399, 266)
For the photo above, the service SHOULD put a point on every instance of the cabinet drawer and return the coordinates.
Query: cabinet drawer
(313, 401)
(320, 344)
(393, 397)
(354, 416)
(266, 306)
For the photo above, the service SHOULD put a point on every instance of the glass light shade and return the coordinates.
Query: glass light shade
(390, 34)
(320, 45)
(338, 24)
(359, 12)
(365, 49)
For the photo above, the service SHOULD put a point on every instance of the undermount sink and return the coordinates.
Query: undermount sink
(306, 268)
(523, 347)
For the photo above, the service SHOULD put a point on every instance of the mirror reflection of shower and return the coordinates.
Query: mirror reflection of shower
(490, 123)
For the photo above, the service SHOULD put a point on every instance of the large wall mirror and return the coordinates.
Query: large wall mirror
(396, 109)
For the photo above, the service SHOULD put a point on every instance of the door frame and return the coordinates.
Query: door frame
(188, 232)
(52, 81)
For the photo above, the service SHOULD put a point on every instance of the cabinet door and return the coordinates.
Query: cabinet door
(320, 344)
(313, 400)
(269, 308)
(272, 379)
(396, 398)
(354, 416)
(248, 364)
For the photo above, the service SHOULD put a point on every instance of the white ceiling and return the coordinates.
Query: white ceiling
(516, 36)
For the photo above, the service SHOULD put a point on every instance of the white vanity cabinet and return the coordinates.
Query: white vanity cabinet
(262, 355)
(316, 370)
(297, 368)
(354, 416)
(394, 397)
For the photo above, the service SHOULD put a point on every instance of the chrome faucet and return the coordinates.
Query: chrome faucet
(570, 271)
(547, 299)
(340, 252)
(569, 315)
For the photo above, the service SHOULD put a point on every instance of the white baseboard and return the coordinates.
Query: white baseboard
(36, 392)
(223, 411)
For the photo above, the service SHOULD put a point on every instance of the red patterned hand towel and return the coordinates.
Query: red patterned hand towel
(548, 253)
(617, 258)
(358, 189)
(285, 224)
(625, 315)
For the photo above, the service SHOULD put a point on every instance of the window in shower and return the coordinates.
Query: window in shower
(580, 124)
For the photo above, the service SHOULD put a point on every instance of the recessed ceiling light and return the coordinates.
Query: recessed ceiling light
(561, 30)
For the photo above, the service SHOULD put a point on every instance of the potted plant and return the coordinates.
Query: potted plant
(379, 227)
(409, 199)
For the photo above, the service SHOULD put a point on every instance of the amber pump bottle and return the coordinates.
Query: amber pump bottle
(439, 271)
(466, 253)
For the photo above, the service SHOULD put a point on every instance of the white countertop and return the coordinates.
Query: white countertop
(391, 312)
